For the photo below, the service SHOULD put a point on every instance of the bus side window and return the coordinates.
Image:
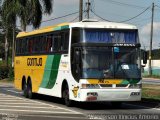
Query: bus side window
(42, 45)
(56, 43)
(49, 43)
(17, 46)
(23, 46)
(30, 45)
(66, 41)
(45, 44)
(37, 44)
(60, 42)
(26, 46)
(20, 46)
(34, 45)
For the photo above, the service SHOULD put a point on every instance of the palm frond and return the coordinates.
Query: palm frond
(47, 6)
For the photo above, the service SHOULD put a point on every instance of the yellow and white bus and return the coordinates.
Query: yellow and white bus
(82, 61)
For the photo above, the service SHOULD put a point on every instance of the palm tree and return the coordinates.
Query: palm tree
(8, 17)
(33, 12)
(29, 11)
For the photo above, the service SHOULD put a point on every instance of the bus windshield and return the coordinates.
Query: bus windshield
(110, 62)
(110, 36)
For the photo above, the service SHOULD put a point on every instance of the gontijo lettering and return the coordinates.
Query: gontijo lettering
(34, 62)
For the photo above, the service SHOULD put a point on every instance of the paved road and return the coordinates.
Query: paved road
(16, 107)
(151, 81)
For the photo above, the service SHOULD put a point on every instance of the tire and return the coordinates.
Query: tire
(29, 91)
(67, 101)
(24, 90)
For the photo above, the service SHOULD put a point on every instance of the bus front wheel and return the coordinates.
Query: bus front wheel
(67, 101)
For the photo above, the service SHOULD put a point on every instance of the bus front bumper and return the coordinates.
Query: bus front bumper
(110, 95)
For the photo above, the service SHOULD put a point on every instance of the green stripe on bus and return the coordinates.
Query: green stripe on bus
(47, 71)
(132, 81)
(54, 71)
(51, 71)
(61, 27)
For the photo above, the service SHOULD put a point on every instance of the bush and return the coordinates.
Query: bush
(4, 70)
(11, 73)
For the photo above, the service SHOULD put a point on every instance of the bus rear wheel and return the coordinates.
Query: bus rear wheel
(29, 90)
(67, 101)
(24, 90)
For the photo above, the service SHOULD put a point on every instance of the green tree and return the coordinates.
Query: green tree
(32, 12)
(28, 11)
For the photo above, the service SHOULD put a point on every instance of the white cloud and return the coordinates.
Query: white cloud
(147, 28)
(145, 32)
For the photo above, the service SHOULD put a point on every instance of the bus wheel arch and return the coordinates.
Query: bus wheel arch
(65, 94)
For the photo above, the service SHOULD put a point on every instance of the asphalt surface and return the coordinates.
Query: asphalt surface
(13, 106)
(151, 81)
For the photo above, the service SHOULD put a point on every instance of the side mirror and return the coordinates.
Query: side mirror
(145, 57)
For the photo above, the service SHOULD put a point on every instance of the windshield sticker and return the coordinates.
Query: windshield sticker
(125, 67)
(116, 49)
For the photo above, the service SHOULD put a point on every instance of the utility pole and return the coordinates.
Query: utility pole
(80, 10)
(151, 39)
(88, 8)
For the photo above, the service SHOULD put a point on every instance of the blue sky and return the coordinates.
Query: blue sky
(114, 10)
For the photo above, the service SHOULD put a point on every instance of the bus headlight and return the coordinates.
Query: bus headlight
(136, 86)
(90, 86)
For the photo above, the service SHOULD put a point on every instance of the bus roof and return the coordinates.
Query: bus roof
(96, 24)
(44, 30)
(83, 24)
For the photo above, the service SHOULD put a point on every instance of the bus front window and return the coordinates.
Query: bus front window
(95, 61)
(110, 36)
(126, 63)
(105, 62)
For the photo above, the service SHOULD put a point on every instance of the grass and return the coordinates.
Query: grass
(151, 92)
(151, 76)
